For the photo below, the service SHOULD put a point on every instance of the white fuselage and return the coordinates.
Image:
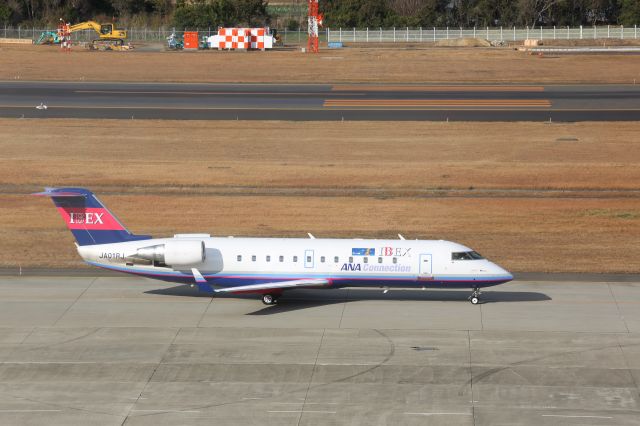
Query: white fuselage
(344, 262)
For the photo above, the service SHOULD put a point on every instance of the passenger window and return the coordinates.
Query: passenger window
(336, 259)
(366, 260)
(350, 259)
(239, 258)
(268, 258)
(281, 258)
(253, 258)
(395, 260)
(321, 259)
(379, 260)
(295, 259)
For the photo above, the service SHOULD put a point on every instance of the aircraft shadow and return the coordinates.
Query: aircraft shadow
(303, 299)
(293, 300)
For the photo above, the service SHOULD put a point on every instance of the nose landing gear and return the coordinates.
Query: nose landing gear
(475, 296)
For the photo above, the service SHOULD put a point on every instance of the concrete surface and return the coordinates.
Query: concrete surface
(319, 102)
(113, 351)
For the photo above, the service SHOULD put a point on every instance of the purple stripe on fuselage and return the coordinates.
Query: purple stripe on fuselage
(235, 280)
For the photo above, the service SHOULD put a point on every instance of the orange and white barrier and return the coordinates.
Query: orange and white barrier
(64, 34)
(241, 38)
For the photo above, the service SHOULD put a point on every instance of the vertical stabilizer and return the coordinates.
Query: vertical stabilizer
(87, 218)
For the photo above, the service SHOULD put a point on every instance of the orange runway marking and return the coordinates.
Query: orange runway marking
(538, 103)
(390, 88)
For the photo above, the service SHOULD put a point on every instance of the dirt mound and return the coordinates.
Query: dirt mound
(463, 42)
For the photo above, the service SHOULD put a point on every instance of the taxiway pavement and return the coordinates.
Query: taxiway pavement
(319, 102)
(113, 351)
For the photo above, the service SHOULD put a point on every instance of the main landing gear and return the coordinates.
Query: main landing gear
(475, 296)
(269, 299)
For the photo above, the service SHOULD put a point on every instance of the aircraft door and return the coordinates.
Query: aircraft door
(308, 259)
(425, 269)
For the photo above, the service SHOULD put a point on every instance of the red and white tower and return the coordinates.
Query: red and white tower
(315, 21)
(64, 35)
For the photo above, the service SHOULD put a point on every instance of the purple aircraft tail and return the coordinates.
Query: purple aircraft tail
(87, 218)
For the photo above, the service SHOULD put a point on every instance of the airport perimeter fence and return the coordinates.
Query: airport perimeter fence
(371, 35)
(419, 35)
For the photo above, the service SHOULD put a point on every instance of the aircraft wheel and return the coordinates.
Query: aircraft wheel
(474, 300)
(269, 299)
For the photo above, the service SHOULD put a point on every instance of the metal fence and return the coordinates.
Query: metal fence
(371, 35)
(418, 35)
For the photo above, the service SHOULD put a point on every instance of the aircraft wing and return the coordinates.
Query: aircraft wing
(320, 282)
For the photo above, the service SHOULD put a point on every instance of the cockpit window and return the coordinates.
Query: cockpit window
(466, 255)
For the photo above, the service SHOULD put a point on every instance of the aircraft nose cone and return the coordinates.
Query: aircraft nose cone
(498, 270)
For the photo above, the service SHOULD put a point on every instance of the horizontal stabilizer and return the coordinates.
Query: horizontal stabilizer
(276, 285)
(55, 192)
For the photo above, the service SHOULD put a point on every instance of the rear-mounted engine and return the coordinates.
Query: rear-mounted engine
(174, 253)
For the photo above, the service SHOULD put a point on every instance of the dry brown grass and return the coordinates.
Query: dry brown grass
(178, 167)
(407, 156)
(458, 65)
(522, 234)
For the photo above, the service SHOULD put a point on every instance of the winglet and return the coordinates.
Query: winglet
(198, 276)
(400, 236)
(311, 236)
(202, 284)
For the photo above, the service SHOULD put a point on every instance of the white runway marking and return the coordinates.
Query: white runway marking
(167, 411)
(577, 417)
(300, 411)
(437, 414)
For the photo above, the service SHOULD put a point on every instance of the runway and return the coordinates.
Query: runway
(319, 102)
(113, 351)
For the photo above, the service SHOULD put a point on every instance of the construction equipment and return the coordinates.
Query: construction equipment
(110, 38)
(277, 38)
(49, 37)
(174, 42)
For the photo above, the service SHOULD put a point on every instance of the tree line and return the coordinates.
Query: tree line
(479, 13)
(337, 13)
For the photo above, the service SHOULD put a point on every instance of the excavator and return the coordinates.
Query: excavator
(110, 38)
(48, 37)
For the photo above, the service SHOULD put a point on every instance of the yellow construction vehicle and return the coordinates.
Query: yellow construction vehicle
(110, 37)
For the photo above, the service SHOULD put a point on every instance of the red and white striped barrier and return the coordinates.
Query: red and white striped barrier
(241, 38)
(233, 38)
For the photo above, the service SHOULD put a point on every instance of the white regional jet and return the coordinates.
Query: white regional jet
(269, 266)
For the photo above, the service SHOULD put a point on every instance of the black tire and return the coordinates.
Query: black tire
(269, 299)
